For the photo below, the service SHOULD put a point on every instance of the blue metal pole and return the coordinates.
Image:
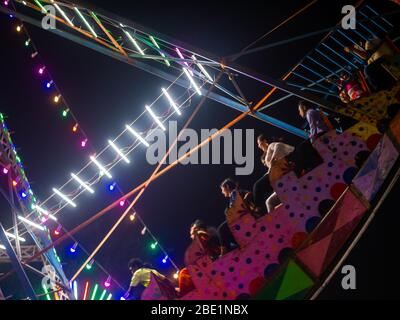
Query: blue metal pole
(26, 284)
(378, 15)
(353, 54)
(339, 55)
(374, 22)
(333, 61)
(323, 66)
(310, 80)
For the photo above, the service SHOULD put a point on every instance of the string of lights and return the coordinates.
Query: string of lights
(104, 170)
(76, 178)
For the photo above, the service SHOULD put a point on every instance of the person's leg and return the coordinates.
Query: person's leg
(260, 191)
(377, 76)
(272, 202)
(228, 241)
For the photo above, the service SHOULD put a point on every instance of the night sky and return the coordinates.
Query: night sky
(104, 94)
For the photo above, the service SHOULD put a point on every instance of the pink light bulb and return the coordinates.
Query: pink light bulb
(83, 143)
(5, 171)
(41, 70)
(122, 203)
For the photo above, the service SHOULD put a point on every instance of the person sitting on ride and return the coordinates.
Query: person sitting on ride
(273, 152)
(141, 276)
(230, 189)
(318, 122)
(209, 243)
(375, 52)
(207, 238)
(349, 88)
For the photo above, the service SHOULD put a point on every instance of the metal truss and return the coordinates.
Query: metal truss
(157, 54)
(10, 160)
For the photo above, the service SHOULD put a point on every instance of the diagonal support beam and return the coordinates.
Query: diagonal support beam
(26, 284)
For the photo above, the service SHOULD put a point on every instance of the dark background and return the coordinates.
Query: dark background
(105, 94)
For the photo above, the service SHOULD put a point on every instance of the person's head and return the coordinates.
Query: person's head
(227, 186)
(196, 226)
(303, 107)
(263, 142)
(135, 264)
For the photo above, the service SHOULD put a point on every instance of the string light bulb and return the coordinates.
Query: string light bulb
(154, 245)
(57, 98)
(74, 247)
(107, 283)
(75, 128)
(57, 231)
(65, 113)
(90, 265)
(19, 28)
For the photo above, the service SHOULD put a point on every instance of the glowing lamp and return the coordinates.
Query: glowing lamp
(176, 275)
(75, 128)
(121, 203)
(23, 195)
(57, 231)
(65, 113)
(89, 265)
(84, 143)
(154, 245)
(57, 99)
(49, 84)
(19, 28)
(165, 260)
(111, 187)
(107, 283)
(14, 183)
(74, 247)
(41, 70)
(132, 217)
(5, 170)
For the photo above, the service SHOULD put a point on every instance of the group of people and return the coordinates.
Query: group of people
(375, 53)
(262, 200)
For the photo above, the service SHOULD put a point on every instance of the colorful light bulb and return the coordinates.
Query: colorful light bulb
(107, 283)
(19, 28)
(49, 84)
(84, 143)
(57, 99)
(90, 265)
(75, 128)
(41, 70)
(154, 245)
(74, 247)
(57, 231)
(65, 113)
(5, 170)
(122, 203)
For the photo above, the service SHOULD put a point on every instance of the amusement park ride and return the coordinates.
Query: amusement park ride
(290, 253)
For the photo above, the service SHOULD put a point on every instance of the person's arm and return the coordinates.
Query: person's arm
(311, 122)
(270, 155)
